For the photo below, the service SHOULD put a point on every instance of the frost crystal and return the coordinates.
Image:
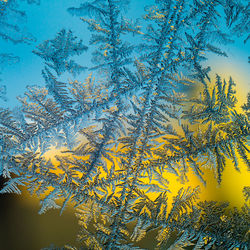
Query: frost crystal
(127, 131)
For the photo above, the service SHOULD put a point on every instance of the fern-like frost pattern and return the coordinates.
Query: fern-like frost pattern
(130, 126)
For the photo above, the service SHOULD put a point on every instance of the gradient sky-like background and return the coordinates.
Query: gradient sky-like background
(43, 22)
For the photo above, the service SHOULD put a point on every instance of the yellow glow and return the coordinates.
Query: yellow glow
(230, 188)
(232, 181)
(236, 67)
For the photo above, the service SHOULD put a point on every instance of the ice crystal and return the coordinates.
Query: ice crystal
(128, 130)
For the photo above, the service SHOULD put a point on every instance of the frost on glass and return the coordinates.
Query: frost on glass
(132, 126)
(57, 51)
(5, 60)
(12, 22)
(12, 28)
(3, 92)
